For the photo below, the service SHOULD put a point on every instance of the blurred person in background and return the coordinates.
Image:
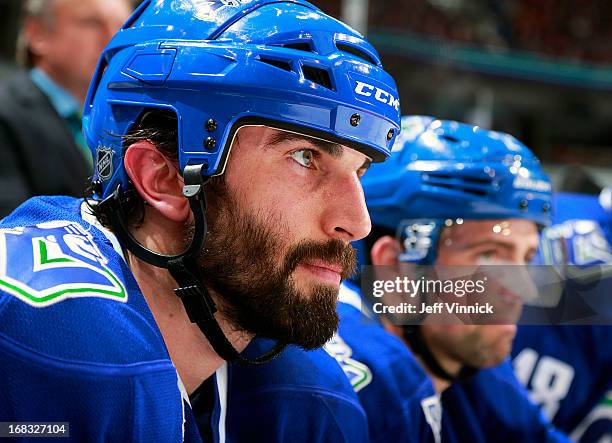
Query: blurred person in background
(41, 145)
(452, 194)
(10, 11)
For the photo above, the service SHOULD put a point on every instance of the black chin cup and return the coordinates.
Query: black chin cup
(414, 337)
(196, 299)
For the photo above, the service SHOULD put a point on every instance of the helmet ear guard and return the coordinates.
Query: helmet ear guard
(218, 67)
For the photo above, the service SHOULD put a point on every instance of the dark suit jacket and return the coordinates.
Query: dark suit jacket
(38, 154)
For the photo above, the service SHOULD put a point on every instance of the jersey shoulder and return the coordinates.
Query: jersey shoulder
(363, 337)
(293, 370)
(66, 292)
(302, 394)
(78, 341)
(494, 406)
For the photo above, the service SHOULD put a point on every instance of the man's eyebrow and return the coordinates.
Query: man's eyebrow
(495, 242)
(491, 242)
(333, 149)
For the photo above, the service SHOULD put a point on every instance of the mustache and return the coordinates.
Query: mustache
(334, 251)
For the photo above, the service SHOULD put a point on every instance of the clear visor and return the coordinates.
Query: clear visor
(493, 272)
(508, 254)
(468, 242)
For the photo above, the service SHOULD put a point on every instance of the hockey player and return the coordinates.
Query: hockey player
(229, 138)
(568, 369)
(454, 195)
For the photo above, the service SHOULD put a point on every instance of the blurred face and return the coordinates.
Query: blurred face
(280, 222)
(68, 43)
(474, 242)
(482, 242)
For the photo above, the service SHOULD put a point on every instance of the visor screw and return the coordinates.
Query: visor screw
(390, 134)
(523, 204)
(210, 143)
(211, 125)
(355, 119)
(546, 207)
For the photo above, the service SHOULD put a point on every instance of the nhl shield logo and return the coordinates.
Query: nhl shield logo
(104, 163)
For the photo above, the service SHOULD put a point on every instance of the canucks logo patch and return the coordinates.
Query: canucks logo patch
(358, 374)
(53, 261)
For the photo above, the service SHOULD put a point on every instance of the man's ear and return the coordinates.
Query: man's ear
(385, 251)
(157, 180)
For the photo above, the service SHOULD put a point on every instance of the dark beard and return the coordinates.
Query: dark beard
(254, 291)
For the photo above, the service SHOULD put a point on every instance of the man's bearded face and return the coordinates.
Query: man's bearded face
(249, 262)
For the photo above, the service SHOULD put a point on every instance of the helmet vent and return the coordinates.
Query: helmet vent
(478, 186)
(450, 138)
(454, 187)
(356, 52)
(317, 75)
(281, 64)
(300, 46)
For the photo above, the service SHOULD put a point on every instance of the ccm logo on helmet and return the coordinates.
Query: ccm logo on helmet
(379, 94)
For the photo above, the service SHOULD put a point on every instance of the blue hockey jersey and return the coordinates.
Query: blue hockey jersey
(298, 397)
(308, 397)
(398, 396)
(401, 402)
(493, 406)
(568, 369)
(78, 343)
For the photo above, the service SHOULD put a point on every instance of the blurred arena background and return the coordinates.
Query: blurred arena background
(538, 69)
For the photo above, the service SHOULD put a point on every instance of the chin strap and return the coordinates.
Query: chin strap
(414, 337)
(196, 299)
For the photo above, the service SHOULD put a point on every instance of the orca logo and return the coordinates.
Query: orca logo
(379, 94)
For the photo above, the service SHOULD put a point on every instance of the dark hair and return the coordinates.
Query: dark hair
(160, 127)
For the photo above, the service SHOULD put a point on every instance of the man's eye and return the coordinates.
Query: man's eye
(487, 254)
(304, 157)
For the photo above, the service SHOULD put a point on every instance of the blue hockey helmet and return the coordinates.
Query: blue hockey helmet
(222, 64)
(443, 172)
